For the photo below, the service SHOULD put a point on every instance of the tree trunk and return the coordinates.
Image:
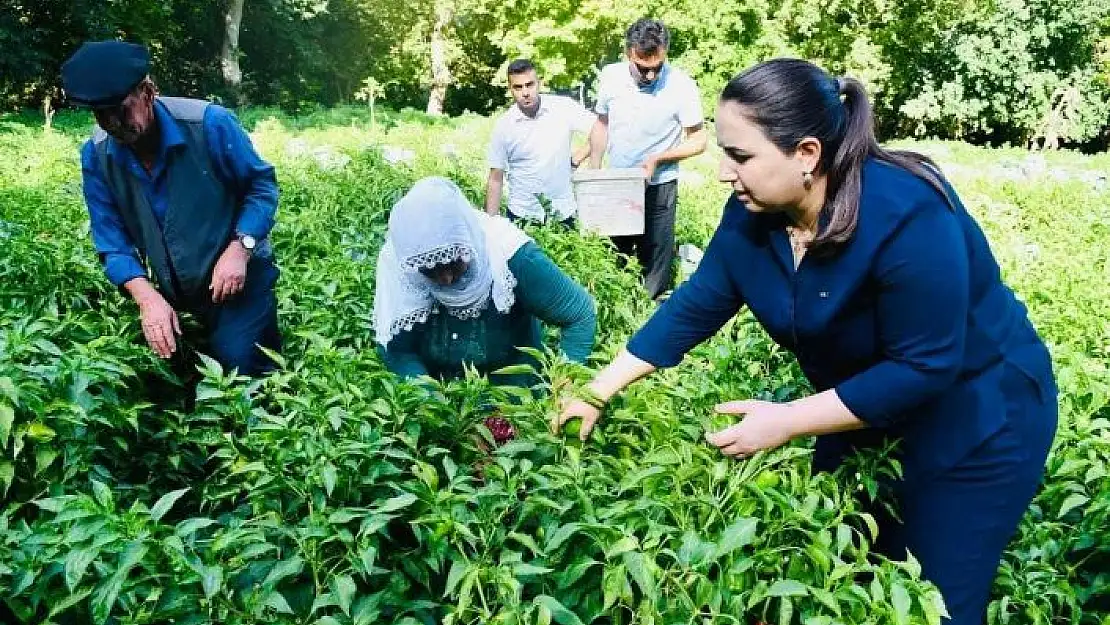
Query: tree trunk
(229, 55)
(441, 73)
(48, 112)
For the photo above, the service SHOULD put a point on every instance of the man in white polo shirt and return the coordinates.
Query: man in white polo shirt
(649, 116)
(531, 146)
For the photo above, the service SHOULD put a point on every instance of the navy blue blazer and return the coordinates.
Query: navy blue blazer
(909, 322)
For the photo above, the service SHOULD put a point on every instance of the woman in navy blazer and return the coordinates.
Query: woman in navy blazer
(863, 263)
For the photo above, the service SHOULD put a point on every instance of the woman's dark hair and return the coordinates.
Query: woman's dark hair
(791, 99)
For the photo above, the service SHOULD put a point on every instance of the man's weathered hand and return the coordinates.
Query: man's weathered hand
(160, 324)
(230, 274)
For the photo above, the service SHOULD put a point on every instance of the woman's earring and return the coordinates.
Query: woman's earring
(807, 180)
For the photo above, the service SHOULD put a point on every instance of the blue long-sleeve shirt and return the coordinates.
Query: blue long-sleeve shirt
(234, 161)
(909, 323)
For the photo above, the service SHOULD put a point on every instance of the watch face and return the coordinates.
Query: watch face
(247, 241)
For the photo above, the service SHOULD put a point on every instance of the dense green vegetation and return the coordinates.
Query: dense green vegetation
(1003, 71)
(136, 491)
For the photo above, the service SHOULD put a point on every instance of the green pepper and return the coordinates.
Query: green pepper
(572, 428)
(768, 479)
(718, 422)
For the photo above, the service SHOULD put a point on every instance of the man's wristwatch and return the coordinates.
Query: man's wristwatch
(248, 242)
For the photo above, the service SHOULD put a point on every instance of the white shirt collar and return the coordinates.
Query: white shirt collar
(517, 115)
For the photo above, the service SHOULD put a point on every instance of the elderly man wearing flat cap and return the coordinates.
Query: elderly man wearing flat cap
(174, 185)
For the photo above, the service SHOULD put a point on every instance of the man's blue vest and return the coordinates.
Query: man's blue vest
(200, 221)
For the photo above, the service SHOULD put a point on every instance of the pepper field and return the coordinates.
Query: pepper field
(138, 491)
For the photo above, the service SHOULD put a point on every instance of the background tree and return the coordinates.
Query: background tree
(987, 71)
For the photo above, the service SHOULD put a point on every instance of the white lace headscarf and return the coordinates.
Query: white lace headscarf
(434, 224)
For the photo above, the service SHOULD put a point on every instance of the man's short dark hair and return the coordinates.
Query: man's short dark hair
(647, 36)
(521, 66)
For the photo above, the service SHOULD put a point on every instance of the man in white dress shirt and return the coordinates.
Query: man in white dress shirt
(531, 150)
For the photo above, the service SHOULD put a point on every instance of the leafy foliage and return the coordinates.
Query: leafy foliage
(137, 491)
(998, 71)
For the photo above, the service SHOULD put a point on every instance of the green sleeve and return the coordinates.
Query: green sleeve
(402, 357)
(546, 292)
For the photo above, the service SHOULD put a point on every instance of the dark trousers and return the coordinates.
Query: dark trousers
(235, 327)
(655, 248)
(957, 524)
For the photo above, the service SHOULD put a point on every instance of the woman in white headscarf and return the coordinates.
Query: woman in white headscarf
(455, 286)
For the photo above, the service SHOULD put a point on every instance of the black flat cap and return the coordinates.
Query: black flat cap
(102, 73)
